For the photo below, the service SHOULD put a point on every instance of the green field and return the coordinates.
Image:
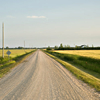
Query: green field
(15, 52)
(88, 53)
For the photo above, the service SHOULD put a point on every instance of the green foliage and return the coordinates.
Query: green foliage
(56, 47)
(61, 46)
(86, 62)
(4, 60)
(7, 47)
(6, 64)
(49, 48)
(20, 47)
(82, 47)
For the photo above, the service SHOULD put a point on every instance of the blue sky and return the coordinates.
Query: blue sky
(50, 22)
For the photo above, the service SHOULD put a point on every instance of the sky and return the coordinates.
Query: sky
(42, 23)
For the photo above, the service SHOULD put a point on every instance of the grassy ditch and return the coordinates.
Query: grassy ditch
(85, 62)
(91, 80)
(6, 65)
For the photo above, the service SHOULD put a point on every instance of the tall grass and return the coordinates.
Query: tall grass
(86, 62)
(6, 65)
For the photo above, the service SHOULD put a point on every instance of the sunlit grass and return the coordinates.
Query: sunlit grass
(15, 52)
(7, 64)
(88, 53)
(88, 63)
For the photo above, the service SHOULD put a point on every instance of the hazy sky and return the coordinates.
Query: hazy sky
(50, 22)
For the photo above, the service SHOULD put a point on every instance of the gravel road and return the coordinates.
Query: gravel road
(39, 77)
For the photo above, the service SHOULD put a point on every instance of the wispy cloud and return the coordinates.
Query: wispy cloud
(9, 16)
(36, 17)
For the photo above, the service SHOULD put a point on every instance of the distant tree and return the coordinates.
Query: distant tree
(76, 46)
(49, 48)
(20, 47)
(65, 47)
(68, 47)
(7, 47)
(61, 46)
(56, 47)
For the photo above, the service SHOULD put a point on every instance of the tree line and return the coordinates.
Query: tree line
(67, 47)
(19, 47)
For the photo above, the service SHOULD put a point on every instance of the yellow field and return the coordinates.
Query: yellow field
(88, 53)
(15, 52)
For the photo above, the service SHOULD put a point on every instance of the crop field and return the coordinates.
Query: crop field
(15, 52)
(88, 53)
(87, 60)
(17, 55)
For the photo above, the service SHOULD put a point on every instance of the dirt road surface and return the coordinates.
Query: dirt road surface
(40, 77)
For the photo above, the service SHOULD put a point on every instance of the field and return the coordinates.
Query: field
(15, 52)
(88, 53)
(16, 57)
(87, 59)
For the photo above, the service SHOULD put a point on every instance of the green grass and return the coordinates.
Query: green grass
(91, 80)
(85, 62)
(6, 65)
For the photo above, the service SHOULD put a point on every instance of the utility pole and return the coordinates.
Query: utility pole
(24, 45)
(3, 40)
